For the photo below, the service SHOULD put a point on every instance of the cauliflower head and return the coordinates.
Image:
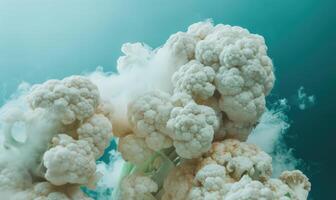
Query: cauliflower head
(69, 161)
(148, 115)
(73, 98)
(192, 128)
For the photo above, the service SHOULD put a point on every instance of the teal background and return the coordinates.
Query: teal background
(43, 39)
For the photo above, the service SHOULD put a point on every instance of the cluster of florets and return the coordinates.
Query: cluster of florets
(186, 141)
(76, 133)
(217, 97)
(218, 92)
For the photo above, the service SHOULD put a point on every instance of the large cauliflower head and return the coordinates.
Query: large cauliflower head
(69, 161)
(231, 65)
(73, 98)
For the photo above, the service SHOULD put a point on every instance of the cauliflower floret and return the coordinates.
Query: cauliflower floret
(240, 158)
(298, 182)
(192, 129)
(194, 79)
(243, 107)
(69, 161)
(73, 98)
(280, 190)
(244, 75)
(200, 29)
(11, 179)
(244, 78)
(248, 189)
(46, 191)
(182, 45)
(148, 115)
(134, 149)
(207, 52)
(179, 181)
(210, 183)
(97, 130)
(137, 187)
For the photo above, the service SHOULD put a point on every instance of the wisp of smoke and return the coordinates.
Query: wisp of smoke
(269, 136)
(303, 100)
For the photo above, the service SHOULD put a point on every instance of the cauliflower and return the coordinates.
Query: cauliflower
(69, 161)
(194, 79)
(134, 149)
(11, 179)
(192, 128)
(200, 30)
(137, 187)
(182, 45)
(245, 76)
(248, 189)
(181, 141)
(46, 191)
(291, 185)
(240, 158)
(148, 115)
(297, 182)
(242, 74)
(210, 183)
(97, 131)
(179, 181)
(73, 98)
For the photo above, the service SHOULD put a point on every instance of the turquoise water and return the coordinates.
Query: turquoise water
(43, 39)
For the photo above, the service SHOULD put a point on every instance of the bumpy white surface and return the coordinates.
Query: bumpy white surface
(192, 129)
(242, 72)
(9, 178)
(209, 183)
(73, 98)
(182, 45)
(194, 79)
(248, 189)
(69, 161)
(137, 187)
(240, 158)
(297, 182)
(97, 131)
(213, 88)
(217, 176)
(134, 149)
(148, 115)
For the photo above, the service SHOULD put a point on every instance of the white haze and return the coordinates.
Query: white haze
(269, 136)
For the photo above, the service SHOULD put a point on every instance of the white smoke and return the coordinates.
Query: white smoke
(269, 136)
(304, 101)
(24, 135)
(138, 74)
